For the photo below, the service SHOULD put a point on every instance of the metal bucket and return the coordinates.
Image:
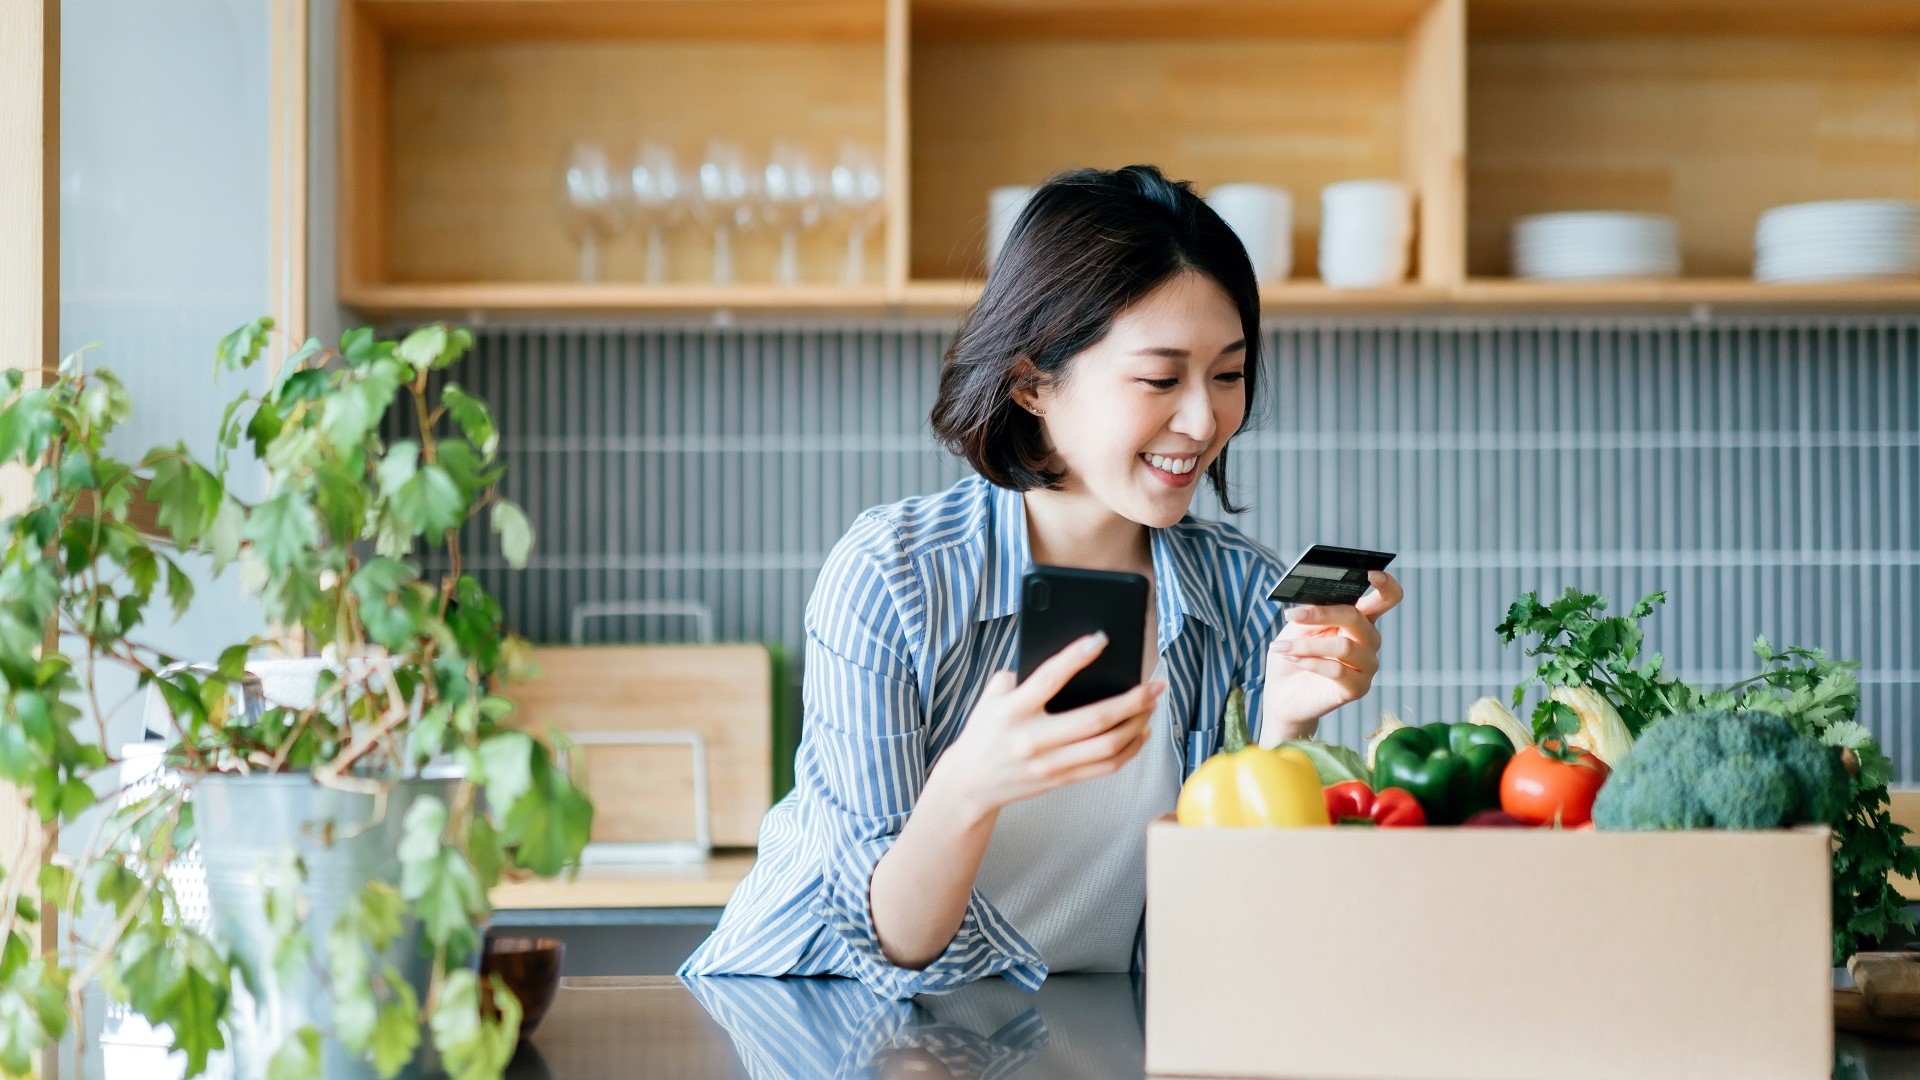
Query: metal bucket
(246, 824)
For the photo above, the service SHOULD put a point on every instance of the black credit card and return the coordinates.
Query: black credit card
(1329, 575)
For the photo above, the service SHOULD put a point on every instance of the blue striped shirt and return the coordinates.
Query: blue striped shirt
(914, 610)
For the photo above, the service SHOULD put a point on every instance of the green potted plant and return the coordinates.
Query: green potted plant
(349, 839)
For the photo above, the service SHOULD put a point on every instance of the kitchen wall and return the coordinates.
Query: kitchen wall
(164, 216)
(1766, 472)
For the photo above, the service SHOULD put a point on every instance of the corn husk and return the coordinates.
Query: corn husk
(1602, 733)
(1389, 724)
(1490, 712)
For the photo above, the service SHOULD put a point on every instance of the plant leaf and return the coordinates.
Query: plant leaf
(516, 533)
(298, 1058)
(474, 419)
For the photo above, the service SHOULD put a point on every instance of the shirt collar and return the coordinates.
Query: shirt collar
(1180, 590)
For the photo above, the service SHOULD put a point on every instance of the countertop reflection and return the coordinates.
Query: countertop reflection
(760, 1028)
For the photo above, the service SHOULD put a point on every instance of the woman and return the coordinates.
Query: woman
(944, 827)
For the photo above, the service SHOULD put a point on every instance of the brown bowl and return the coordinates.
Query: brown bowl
(531, 969)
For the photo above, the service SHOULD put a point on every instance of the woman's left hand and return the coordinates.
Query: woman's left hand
(1326, 657)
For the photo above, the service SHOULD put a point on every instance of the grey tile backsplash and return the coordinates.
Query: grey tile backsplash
(1764, 471)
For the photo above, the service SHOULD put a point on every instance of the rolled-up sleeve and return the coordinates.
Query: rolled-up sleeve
(863, 760)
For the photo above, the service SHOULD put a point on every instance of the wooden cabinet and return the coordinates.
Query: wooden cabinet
(456, 115)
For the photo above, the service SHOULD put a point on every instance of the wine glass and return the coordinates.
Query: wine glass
(591, 194)
(793, 201)
(725, 196)
(660, 199)
(856, 188)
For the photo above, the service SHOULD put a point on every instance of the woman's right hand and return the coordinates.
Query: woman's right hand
(1012, 748)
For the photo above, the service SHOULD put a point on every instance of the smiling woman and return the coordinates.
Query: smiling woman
(944, 826)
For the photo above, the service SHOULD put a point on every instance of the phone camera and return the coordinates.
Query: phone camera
(1039, 597)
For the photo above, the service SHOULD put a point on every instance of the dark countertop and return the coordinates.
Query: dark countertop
(1076, 1026)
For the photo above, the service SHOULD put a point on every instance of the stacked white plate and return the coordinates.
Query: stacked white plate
(1595, 244)
(1839, 240)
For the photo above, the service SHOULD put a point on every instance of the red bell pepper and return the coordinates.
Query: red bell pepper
(1348, 799)
(1396, 808)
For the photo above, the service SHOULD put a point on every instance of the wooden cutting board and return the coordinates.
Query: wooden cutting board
(645, 793)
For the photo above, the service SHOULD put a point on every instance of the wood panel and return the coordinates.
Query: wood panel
(703, 884)
(287, 171)
(1296, 113)
(363, 140)
(1695, 16)
(1436, 139)
(1712, 130)
(479, 138)
(467, 22)
(1001, 19)
(29, 315)
(725, 692)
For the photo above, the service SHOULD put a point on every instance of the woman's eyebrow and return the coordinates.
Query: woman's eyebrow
(1175, 353)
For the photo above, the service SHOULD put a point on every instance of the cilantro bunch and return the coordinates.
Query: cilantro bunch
(1819, 696)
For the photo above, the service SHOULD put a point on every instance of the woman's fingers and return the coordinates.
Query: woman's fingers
(1336, 647)
(1386, 595)
(1057, 670)
(1357, 681)
(1101, 754)
(1056, 730)
(1337, 618)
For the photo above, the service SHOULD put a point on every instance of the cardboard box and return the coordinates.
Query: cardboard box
(1487, 953)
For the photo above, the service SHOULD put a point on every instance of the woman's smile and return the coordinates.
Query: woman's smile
(1177, 471)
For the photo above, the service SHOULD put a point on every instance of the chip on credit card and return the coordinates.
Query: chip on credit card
(1329, 575)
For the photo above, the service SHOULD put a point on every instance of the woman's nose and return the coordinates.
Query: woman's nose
(1194, 419)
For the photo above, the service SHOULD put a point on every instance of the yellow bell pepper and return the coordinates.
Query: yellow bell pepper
(1250, 787)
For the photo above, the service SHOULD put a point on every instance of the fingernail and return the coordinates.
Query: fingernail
(1157, 687)
(1283, 646)
(1094, 642)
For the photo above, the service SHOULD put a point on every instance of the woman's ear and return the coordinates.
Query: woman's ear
(1025, 383)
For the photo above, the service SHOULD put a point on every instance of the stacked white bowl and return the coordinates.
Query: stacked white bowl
(1595, 244)
(1262, 217)
(1838, 240)
(1365, 227)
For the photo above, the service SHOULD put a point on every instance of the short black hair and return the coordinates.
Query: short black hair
(1089, 244)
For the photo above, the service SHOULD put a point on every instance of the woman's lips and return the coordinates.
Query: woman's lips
(1172, 479)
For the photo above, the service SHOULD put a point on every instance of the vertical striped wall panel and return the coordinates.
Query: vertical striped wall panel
(1765, 472)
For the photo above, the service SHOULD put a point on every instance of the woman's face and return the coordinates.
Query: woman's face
(1143, 413)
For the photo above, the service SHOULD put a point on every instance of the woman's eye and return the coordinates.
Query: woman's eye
(1231, 376)
(1162, 384)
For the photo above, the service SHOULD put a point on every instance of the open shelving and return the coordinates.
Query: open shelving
(455, 115)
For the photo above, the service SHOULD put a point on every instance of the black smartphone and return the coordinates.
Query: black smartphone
(1060, 604)
(1329, 575)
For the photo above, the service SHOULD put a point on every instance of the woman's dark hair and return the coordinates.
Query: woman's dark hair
(1088, 245)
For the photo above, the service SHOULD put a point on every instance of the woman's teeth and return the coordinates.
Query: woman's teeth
(1177, 466)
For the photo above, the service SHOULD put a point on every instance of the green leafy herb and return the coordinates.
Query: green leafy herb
(1818, 695)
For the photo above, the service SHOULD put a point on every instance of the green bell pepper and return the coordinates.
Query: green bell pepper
(1453, 770)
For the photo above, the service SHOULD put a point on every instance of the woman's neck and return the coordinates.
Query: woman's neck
(1069, 529)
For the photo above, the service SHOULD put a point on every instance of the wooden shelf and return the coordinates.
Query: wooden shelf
(1493, 294)
(472, 22)
(706, 884)
(1709, 129)
(456, 114)
(982, 20)
(612, 297)
(1626, 17)
(950, 299)
(1287, 93)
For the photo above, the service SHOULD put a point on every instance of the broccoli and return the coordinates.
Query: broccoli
(1717, 770)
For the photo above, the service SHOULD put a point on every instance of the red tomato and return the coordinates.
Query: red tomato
(1539, 788)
